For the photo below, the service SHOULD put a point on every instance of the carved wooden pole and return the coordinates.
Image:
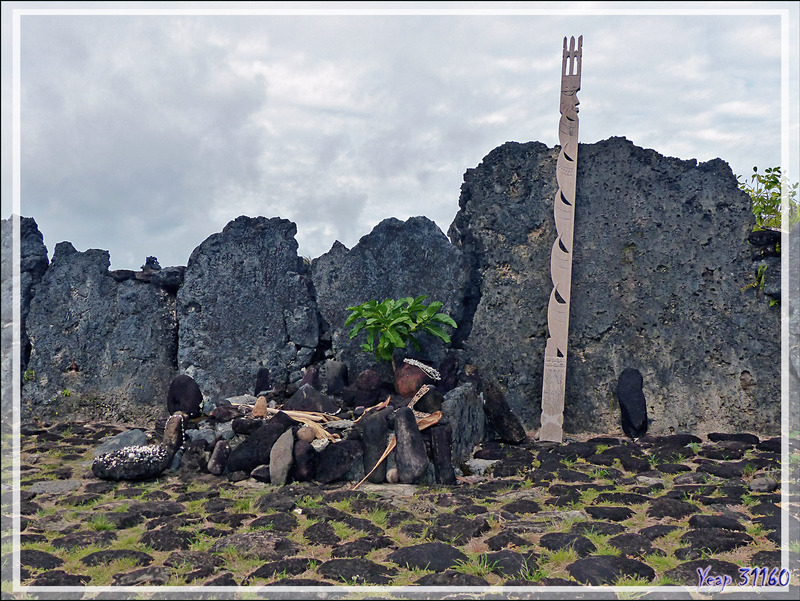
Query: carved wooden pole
(555, 353)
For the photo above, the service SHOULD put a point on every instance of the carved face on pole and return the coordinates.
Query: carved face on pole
(569, 105)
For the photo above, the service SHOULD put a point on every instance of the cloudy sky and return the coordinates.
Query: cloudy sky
(143, 134)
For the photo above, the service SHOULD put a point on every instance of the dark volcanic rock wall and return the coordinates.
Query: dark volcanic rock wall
(246, 302)
(106, 344)
(33, 264)
(662, 280)
(396, 260)
(660, 260)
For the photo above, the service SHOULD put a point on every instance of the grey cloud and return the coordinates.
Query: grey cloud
(144, 135)
(158, 136)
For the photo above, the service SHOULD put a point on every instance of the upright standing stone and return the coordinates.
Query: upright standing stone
(632, 404)
(281, 458)
(103, 343)
(32, 266)
(374, 436)
(411, 456)
(246, 304)
(396, 260)
(555, 354)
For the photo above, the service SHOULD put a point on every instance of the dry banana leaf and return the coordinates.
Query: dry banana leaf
(312, 415)
(375, 408)
(310, 419)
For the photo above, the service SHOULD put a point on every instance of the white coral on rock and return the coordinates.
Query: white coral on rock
(131, 463)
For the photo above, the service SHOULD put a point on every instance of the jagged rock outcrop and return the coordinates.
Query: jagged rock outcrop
(662, 278)
(660, 260)
(101, 347)
(396, 260)
(246, 303)
(33, 264)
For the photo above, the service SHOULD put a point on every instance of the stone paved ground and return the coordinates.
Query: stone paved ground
(594, 511)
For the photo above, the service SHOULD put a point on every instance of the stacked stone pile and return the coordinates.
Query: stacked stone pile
(404, 431)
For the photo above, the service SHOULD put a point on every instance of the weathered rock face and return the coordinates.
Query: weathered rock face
(661, 275)
(397, 259)
(98, 339)
(660, 260)
(33, 264)
(794, 321)
(246, 303)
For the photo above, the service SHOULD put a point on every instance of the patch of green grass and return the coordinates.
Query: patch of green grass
(749, 470)
(307, 502)
(495, 521)
(129, 538)
(639, 517)
(555, 561)
(756, 530)
(632, 581)
(477, 565)
(201, 543)
(99, 522)
(408, 576)
(602, 447)
(661, 563)
(566, 524)
(378, 517)
(195, 507)
(588, 496)
(237, 562)
(534, 574)
(748, 500)
(45, 511)
(672, 540)
(243, 505)
(665, 581)
(345, 505)
(344, 531)
(600, 541)
(102, 574)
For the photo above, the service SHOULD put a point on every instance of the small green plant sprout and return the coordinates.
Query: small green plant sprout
(765, 192)
(393, 323)
(29, 374)
(760, 280)
(748, 500)
(477, 566)
(695, 446)
(749, 470)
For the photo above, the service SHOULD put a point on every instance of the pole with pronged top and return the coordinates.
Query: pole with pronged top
(555, 354)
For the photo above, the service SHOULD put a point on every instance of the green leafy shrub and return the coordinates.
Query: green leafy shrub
(393, 323)
(765, 191)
